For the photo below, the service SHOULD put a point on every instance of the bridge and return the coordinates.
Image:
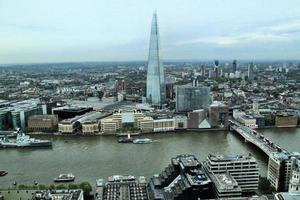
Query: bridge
(256, 138)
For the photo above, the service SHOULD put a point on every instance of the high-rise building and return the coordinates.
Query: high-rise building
(155, 74)
(234, 65)
(250, 72)
(190, 98)
(216, 68)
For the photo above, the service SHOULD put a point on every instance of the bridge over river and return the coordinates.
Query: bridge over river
(256, 138)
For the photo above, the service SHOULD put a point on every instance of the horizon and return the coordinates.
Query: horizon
(92, 31)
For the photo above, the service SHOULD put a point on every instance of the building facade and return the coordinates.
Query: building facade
(155, 73)
(243, 169)
(190, 98)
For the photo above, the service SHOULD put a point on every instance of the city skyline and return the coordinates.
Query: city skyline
(94, 31)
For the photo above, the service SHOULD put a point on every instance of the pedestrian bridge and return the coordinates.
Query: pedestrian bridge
(256, 138)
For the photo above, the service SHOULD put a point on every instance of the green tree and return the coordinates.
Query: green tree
(42, 187)
(86, 187)
(73, 186)
(61, 187)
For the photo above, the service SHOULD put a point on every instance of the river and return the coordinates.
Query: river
(89, 158)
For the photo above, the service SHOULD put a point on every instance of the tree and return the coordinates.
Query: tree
(100, 95)
(73, 186)
(86, 187)
(61, 187)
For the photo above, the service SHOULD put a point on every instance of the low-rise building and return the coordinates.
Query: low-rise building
(43, 123)
(180, 122)
(285, 119)
(161, 125)
(248, 120)
(225, 186)
(146, 124)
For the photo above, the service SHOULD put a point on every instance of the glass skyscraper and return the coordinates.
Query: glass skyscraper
(155, 73)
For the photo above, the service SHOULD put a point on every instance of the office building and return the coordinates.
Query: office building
(280, 169)
(218, 115)
(190, 98)
(250, 72)
(216, 69)
(225, 186)
(198, 119)
(243, 169)
(44, 123)
(285, 119)
(70, 112)
(234, 66)
(184, 178)
(155, 73)
(287, 196)
(162, 125)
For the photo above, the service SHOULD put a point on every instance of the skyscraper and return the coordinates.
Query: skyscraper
(155, 74)
(234, 64)
(216, 68)
(250, 72)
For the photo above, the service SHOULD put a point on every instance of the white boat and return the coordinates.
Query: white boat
(142, 141)
(64, 178)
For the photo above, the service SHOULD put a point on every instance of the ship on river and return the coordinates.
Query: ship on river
(23, 140)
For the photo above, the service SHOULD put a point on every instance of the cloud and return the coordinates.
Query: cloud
(283, 32)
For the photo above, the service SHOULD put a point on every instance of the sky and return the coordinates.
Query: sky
(119, 30)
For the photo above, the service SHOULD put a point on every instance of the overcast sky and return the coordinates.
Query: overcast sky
(119, 30)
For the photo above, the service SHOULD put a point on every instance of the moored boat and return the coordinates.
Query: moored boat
(23, 140)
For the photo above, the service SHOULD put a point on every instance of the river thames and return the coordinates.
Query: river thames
(90, 158)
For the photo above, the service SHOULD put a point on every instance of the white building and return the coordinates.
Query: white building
(243, 169)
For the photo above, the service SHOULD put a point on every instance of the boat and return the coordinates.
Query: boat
(64, 178)
(121, 178)
(142, 141)
(127, 139)
(23, 140)
(3, 173)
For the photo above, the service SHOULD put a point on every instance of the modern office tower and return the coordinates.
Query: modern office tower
(216, 69)
(155, 74)
(190, 98)
(218, 115)
(280, 168)
(184, 178)
(243, 169)
(170, 91)
(202, 71)
(234, 66)
(250, 72)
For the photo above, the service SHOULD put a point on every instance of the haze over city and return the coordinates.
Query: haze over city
(63, 31)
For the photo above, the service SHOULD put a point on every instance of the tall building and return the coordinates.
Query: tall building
(190, 98)
(250, 72)
(155, 74)
(234, 65)
(243, 169)
(216, 68)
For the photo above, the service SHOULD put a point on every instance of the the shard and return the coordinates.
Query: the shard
(155, 72)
